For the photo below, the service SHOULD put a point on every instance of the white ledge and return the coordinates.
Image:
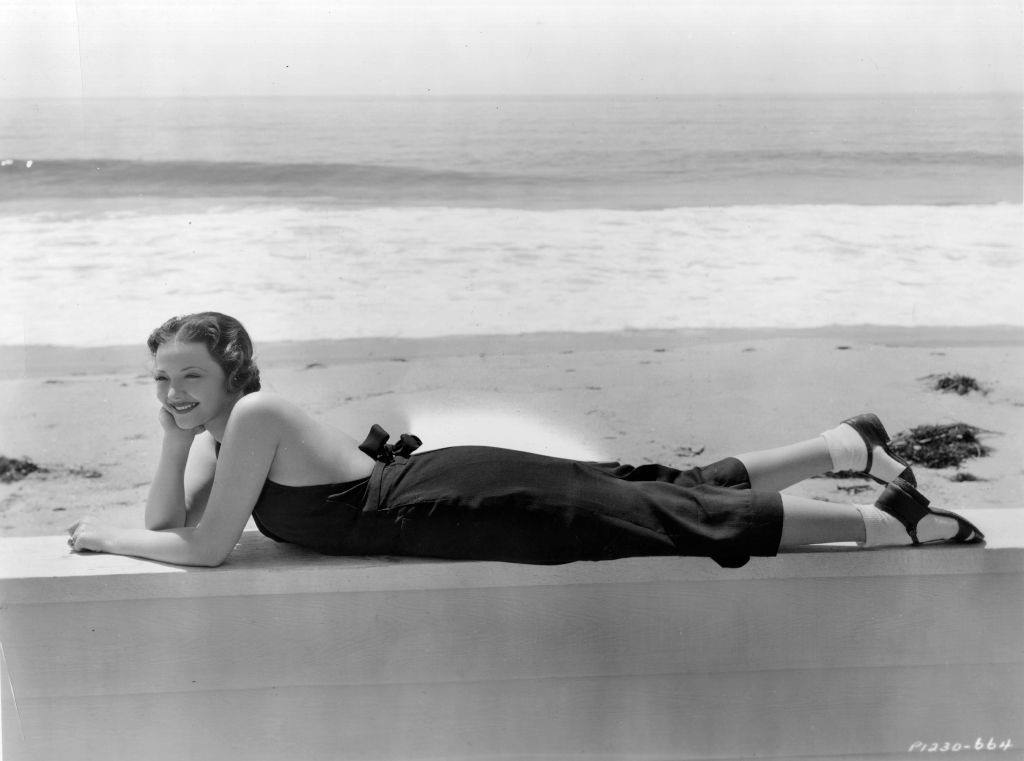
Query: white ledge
(43, 569)
(281, 653)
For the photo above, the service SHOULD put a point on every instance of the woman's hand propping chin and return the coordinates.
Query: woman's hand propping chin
(170, 426)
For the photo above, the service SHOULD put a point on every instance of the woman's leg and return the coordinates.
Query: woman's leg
(811, 521)
(775, 469)
(860, 443)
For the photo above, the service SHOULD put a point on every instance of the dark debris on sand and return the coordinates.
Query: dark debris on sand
(855, 488)
(955, 383)
(84, 472)
(12, 469)
(940, 446)
(844, 474)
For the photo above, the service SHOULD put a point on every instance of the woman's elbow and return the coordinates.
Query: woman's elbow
(205, 560)
(164, 520)
(210, 562)
(209, 554)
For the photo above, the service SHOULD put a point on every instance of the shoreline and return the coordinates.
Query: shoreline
(38, 360)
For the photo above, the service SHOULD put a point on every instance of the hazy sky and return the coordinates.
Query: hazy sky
(98, 48)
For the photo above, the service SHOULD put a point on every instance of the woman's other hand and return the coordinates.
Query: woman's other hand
(86, 534)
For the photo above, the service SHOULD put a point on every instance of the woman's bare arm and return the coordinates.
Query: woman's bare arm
(250, 444)
(165, 505)
(185, 469)
(199, 477)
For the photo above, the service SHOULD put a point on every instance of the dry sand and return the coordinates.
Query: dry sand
(678, 397)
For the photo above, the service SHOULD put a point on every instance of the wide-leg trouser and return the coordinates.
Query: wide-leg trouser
(487, 503)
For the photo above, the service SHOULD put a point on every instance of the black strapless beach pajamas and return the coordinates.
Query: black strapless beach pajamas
(487, 503)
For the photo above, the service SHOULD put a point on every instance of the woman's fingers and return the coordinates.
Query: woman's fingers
(73, 533)
(170, 425)
(76, 531)
(166, 419)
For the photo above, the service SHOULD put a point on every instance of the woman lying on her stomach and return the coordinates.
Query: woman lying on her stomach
(231, 451)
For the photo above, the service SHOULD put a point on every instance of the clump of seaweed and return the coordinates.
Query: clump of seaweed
(955, 383)
(939, 446)
(12, 469)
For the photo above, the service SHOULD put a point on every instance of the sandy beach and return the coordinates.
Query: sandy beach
(88, 416)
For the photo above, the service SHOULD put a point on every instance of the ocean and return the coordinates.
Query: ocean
(358, 217)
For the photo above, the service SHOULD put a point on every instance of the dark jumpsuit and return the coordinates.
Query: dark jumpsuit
(487, 503)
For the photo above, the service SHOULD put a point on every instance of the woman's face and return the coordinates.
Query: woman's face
(191, 385)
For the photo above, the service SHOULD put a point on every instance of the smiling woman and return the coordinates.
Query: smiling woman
(230, 451)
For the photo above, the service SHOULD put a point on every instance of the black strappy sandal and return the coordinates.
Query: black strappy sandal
(905, 503)
(875, 437)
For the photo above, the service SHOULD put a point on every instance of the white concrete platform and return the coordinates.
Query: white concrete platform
(285, 654)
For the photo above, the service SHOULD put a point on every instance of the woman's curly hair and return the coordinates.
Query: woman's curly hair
(226, 340)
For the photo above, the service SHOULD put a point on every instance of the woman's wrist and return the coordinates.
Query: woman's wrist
(108, 541)
(178, 442)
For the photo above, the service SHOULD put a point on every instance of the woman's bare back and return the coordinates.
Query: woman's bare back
(311, 452)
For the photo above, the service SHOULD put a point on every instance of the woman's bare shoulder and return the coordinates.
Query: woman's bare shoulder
(268, 414)
(269, 407)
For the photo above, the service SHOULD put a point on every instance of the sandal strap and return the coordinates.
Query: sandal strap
(964, 527)
(906, 504)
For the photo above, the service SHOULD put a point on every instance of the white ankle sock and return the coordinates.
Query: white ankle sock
(884, 530)
(846, 448)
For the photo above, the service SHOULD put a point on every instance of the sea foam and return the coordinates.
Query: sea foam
(306, 272)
